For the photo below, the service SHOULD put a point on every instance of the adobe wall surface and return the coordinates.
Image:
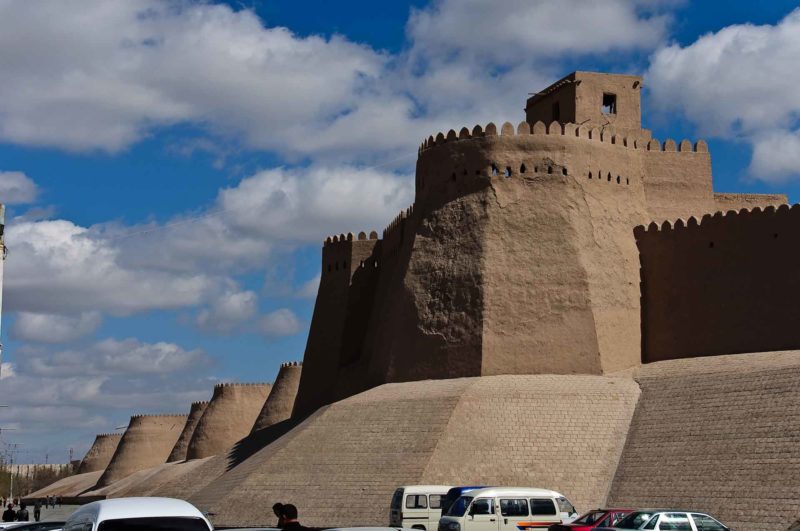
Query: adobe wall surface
(519, 244)
(147, 442)
(69, 486)
(719, 435)
(101, 452)
(433, 431)
(228, 417)
(280, 402)
(181, 447)
(722, 285)
(150, 481)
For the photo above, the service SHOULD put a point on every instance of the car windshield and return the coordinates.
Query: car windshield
(157, 523)
(590, 518)
(459, 506)
(634, 520)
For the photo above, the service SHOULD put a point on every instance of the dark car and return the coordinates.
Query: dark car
(593, 520)
(454, 494)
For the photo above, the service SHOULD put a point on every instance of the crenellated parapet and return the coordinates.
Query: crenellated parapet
(717, 284)
(607, 135)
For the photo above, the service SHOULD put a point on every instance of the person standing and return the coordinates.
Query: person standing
(290, 522)
(22, 514)
(278, 510)
(9, 515)
(37, 510)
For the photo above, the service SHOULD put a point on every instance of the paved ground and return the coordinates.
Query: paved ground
(57, 513)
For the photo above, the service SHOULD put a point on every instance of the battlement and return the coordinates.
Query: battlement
(291, 364)
(106, 435)
(711, 220)
(341, 238)
(200, 403)
(158, 415)
(607, 134)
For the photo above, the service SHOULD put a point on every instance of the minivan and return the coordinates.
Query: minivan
(508, 509)
(135, 514)
(417, 506)
(455, 493)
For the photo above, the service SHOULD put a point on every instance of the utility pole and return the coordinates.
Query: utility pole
(2, 259)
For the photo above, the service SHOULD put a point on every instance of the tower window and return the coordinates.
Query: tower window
(556, 112)
(609, 103)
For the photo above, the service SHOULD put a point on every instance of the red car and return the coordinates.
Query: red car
(592, 519)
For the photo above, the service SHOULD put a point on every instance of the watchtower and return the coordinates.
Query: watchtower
(591, 99)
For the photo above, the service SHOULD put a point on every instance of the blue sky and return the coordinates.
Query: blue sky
(171, 168)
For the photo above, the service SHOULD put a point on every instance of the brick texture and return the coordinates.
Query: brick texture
(720, 435)
(342, 464)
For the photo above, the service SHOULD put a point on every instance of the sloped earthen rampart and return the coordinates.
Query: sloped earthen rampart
(718, 435)
(723, 284)
(147, 442)
(280, 402)
(101, 452)
(228, 417)
(565, 432)
(182, 446)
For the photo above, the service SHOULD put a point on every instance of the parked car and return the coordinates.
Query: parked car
(592, 520)
(668, 519)
(417, 506)
(455, 493)
(135, 514)
(507, 509)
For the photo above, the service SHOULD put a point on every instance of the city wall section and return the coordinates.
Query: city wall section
(722, 285)
(517, 257)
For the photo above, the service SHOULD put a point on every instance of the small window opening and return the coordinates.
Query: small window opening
(477, 172)
(609, 177)
(453, 177)
(549, 169)
(465, 172)
(508, 171)
(329, 268)
(618, 179)
(494, 170)
(361, 265)
(375, 263)
(556, 112)
(590, 175)
(536, 169)
(563, 171)
(609, 103)
(627, 180)
(522, 168)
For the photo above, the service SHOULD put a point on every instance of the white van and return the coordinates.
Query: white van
(507, 509)
(417, 506)
(135, 514)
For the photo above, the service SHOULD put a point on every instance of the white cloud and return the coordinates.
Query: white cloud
(7, 370)
(281, 322)
(309, 288)
(59, 267)
(49, 328)
(17, 188)
(110, 357)
(231, 309)
(706, 81)
(159, 62)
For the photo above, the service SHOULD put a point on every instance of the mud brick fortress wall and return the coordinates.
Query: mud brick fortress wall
(567, 304)
(517, 256)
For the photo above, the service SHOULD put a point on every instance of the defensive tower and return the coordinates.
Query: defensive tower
(99, 455)
(279, 403)
(228, 417)
(182, 446)
(517, 256)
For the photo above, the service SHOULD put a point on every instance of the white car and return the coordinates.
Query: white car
(672, 520)
(134, 514)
